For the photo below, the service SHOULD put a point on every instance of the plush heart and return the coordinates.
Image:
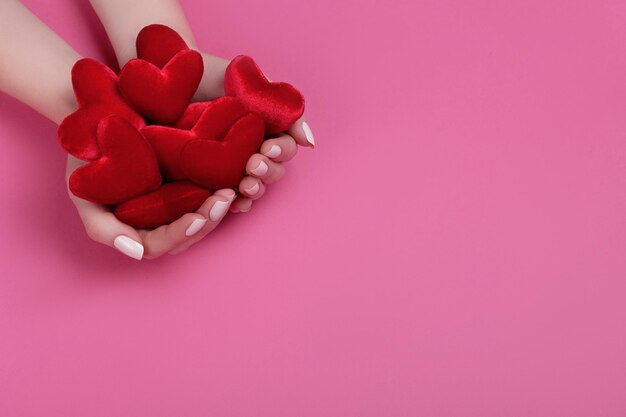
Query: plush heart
(190, 117)
(126, 168)
(215, 118)
(162, 94)
(158, 44)
(135, 129)
(98, 96)
(280, 104)
(204, 120)
(163, 205)
(219, 164)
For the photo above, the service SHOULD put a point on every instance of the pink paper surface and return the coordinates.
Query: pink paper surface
(455, 246)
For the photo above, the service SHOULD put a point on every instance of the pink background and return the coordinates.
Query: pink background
(456, 246)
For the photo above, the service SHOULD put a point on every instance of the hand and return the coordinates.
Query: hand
(265, 167)
(102, 226)
(48, 90)
(122, 23)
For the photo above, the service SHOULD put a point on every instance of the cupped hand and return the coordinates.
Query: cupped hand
(102, 226)
(263, 168)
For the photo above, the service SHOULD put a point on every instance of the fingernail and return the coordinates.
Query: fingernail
(273, 152)
(261, 169)
(129, 247)
(308, 134)
(195, 227)
(230, 195)
(252, 190)
(218, 210)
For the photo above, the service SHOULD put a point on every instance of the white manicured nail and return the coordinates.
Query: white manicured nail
(308, 133)
(129, 247)
(261, 169)
(253, 190)
(195, 227)
(218, 210)
(273, 152)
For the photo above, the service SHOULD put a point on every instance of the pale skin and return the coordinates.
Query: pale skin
(35, 69)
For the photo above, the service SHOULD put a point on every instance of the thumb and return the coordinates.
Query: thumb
(302, 134)
(102, 226)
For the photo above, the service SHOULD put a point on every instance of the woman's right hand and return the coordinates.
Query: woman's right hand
(102, 226)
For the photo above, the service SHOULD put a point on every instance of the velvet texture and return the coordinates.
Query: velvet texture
(279, 104)
(203, 121)
(140, 129)
(190, 117)
(126, 168)
(221, 163)
(98, 96)
(162, 94)
(160, 83)
(158, 44)
(163, 205)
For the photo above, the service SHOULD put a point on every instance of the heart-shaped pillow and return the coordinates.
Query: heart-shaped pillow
(217, 164)
(280, 104)
(205, 120)
(98, 96)
(127, 166)
(158, 44)
(135, 129)
(162, 94)
(163, 205)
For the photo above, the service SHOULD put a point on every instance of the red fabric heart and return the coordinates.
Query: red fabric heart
(158, 44)
(190, 117)
(162, 206)
(217, 164)
(280, 104)
(127, 166)
(205, 144)
(98, 96)
(162, 94)
(205, 120)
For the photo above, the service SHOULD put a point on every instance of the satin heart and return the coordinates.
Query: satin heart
(162, 206)
(98, 96)
(280, 104)
(216, 164)
(206, 120)
(162, 94)
(126, 168)
(158, 44)
(191, 115)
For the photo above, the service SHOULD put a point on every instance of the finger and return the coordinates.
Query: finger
(166, 238)
(102, 226)
(280, 149)
(301, 132)
(241, 205)
(252, 187)
(213, 209)
(260, 166)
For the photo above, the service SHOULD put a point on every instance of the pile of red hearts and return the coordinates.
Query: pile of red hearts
(151, 154)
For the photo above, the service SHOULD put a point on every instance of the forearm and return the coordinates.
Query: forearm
(36, 63)
(123, 19)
